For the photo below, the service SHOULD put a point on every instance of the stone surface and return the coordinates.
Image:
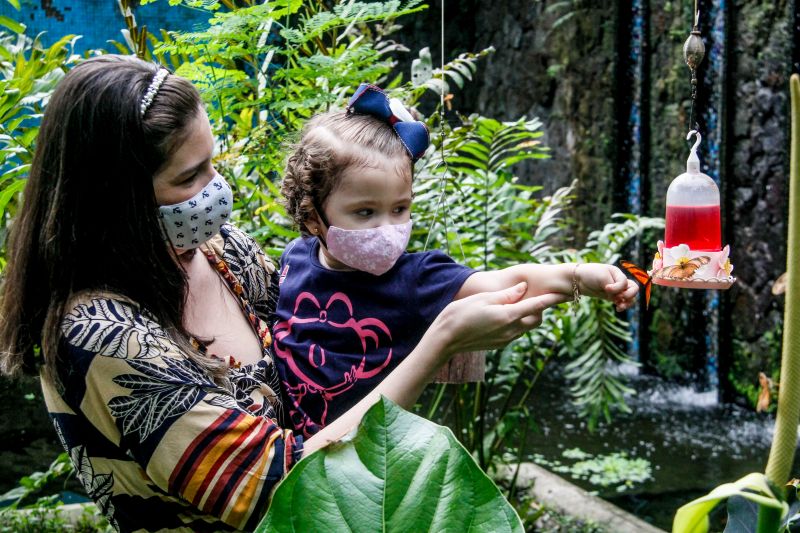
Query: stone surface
(567, 75)
(555, 492)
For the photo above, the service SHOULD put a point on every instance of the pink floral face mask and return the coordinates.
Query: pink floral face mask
(373, 250)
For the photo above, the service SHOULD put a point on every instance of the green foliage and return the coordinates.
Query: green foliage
(602, 470)
(773, 511)
(35, 509)
(399, 472)
(469, 203)
(45, 519)
(545, 519)
(28, 74)
(36, 482)
(595, 337)
(264, 69)
(750, 358)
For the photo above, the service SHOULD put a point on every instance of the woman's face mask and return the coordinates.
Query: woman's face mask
(373, 250)
(190, 223)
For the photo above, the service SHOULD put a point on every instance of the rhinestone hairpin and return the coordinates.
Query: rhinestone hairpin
(152, 90)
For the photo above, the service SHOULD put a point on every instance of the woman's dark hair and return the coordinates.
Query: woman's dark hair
(89, 218)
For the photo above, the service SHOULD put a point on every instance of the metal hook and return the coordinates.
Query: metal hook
(698, 138)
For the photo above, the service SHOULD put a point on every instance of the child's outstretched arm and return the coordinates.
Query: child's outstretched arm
(594, 279)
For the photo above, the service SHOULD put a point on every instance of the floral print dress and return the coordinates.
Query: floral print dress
(158, 445)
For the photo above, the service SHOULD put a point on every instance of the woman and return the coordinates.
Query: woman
(145, 312)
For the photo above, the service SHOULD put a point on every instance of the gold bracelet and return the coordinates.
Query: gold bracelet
(576, 291)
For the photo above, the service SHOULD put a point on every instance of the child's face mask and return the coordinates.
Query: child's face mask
(190, 223)
(373, 250)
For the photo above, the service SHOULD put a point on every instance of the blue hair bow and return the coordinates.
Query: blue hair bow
(371, 100)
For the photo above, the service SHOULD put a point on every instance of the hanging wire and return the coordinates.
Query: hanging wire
(443, 163)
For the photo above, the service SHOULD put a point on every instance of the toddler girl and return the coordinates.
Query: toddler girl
(353, 303)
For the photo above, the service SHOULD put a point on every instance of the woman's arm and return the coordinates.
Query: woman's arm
(481, 321)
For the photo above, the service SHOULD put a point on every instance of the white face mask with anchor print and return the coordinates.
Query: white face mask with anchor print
(190, 223)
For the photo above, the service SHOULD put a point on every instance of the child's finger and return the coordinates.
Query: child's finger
(631, 291)
(617, 275)
(626, 293)
(617, 287)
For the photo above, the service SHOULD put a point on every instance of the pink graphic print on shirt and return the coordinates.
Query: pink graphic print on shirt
(308, 391)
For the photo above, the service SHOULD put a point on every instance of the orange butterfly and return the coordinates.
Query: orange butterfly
(642, 277)
(765, 394)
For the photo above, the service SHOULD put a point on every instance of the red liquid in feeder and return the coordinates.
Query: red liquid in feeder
(696, 226)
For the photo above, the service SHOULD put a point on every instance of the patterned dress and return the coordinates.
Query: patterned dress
(157, 444)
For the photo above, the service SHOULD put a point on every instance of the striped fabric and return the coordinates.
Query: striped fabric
(156, 443)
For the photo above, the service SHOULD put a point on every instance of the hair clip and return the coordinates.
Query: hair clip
(152, 90)
(371, 100)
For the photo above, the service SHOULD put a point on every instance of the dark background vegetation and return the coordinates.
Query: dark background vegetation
(569, 63)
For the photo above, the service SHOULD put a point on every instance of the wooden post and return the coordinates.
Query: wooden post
(467, 367)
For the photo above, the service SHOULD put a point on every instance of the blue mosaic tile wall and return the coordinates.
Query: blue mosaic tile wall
(97, 21)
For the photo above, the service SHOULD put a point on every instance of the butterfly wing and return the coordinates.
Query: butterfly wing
(674, 271)
(764, 394)
(687, 270)
(642, 277)
(636, 271)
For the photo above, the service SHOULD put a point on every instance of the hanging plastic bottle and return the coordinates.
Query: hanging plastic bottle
(693, 213)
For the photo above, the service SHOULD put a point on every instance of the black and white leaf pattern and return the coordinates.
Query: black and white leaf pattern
(98, 486)
(240, 252)
(105, 326)
(60, 433)
(247, 379)
(157, 394)
(224, 400)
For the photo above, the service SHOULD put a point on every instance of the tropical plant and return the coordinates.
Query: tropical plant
(773, 508)
(35, 483)
(468, 202)
(398, 472)
(264, 68)
(28, 74)
(602, 470)
(754, 505)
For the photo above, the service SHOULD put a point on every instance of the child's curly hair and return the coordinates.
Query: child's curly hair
(330, 143)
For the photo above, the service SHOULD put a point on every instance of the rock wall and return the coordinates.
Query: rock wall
(567, 66)
(756, 194)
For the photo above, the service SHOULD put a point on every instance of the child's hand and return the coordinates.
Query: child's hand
(606, 281)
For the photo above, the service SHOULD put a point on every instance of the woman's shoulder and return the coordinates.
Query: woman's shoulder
(110, 324)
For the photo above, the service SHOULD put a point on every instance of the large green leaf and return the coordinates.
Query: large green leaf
(399, 472)
(693, 517)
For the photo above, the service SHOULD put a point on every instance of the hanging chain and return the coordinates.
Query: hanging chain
(693, 52)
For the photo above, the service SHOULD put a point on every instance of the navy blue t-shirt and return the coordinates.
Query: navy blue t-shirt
(338, 334)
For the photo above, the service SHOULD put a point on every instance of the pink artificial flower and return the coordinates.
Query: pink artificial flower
(658, 260)
(724, 263)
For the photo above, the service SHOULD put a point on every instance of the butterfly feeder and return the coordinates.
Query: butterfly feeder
(691, 255)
